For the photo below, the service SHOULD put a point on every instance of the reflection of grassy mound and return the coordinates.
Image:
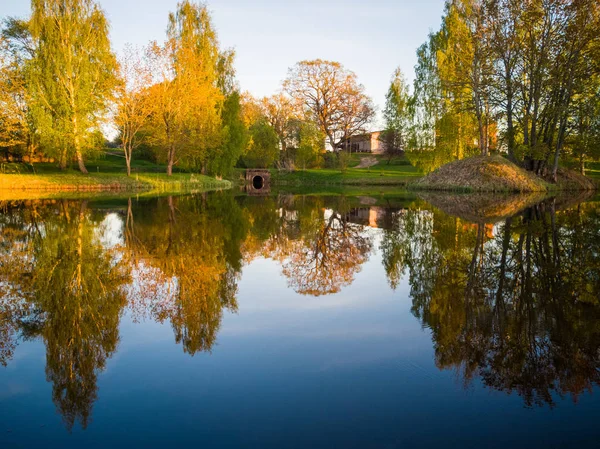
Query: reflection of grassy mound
(483, 174)
(486, 208)
(567, 199)
(482, 208)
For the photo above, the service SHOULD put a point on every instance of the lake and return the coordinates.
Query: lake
(224, 320)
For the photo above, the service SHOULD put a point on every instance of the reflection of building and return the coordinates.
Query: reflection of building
(489, 228)
(364, 143)
(373, 216)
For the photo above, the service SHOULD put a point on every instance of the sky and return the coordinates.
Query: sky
(371, 38)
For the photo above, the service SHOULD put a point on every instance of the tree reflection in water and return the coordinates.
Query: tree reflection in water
(515, 304)
(191, 245)
(71, 289)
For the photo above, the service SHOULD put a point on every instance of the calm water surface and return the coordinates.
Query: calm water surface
(228, 321)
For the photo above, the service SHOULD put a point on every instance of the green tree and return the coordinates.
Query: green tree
(508, 67)
(263, 147)
(585, 138)
(235, 137)
(311, 145)
(17, 132)
(71, 75)
(397, 115)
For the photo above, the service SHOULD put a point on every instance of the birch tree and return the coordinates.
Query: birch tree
(72, 75)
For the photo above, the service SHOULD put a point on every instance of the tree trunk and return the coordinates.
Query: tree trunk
(62, 161)
(170, 160)
(559, 143)
(128, 160)
(78, 146)
(510, 128)
(482, 147)
(80, 162)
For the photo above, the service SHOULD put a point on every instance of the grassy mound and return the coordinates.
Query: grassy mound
(482, 174)
(571, 180)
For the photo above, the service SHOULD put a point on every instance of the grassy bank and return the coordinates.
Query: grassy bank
(398, 172)
(107, 175)
(108, 181)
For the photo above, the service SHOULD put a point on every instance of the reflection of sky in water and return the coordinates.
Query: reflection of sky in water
(110, 231)
(351, 369)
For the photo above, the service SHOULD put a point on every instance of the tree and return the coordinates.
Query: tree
(71, 75)
(585, 141)
(464, 64)
(132, 100)
(331, 96)
(311, 144)
(235, 137)
(16, 127)
(166, 130)
(505, 46)
(510, 65)
(186, 121)
(443, 128)
(280, 112)
(263, 147)
(396, 115)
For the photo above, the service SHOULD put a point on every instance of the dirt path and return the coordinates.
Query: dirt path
(366, 162)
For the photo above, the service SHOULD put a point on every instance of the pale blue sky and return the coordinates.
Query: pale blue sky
(370, 38)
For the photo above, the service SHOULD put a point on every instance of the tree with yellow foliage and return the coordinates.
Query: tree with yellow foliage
(186, 120)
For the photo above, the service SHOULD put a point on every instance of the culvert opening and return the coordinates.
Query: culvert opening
(258, 182)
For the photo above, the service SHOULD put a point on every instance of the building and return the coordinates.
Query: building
(364, 143)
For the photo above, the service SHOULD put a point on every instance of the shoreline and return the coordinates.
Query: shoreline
(48, 185)
(108, 183)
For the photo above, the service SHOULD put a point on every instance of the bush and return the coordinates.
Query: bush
(330, 160)
(343, 158)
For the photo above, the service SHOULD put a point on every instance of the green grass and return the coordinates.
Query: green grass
(592, 169)
(350, 176)
(109, 163)
(397, 173)
(154, 183)
(107, 174)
